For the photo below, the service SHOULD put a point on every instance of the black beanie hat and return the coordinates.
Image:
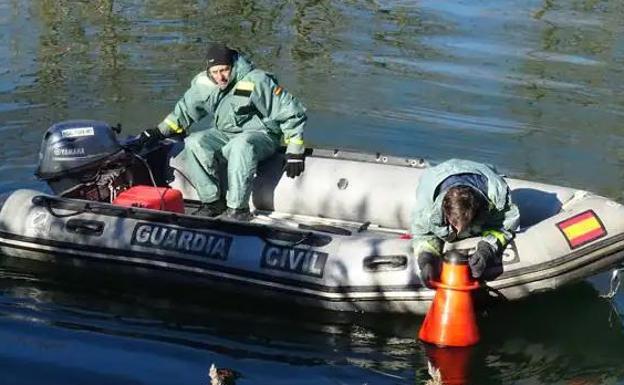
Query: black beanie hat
(219, 54)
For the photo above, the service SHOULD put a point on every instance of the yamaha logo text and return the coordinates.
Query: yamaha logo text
(200, 243)
(64, 152)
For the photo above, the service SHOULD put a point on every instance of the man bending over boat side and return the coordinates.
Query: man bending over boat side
(460, 199)
(251, 114)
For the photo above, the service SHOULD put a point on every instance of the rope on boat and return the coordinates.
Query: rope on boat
(48, 206)
(614, 284)
(153, 180)
(614, 315)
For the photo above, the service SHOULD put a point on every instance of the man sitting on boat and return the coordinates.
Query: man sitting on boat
(251, 113)
(459, 199)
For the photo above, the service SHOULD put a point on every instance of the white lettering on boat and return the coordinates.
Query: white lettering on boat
(210, 245)
(294, 260)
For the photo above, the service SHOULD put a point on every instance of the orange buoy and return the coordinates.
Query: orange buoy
(451, 319)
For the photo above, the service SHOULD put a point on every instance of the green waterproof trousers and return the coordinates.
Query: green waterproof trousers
(203, 152)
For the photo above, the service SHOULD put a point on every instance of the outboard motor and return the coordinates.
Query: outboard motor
(83, 159)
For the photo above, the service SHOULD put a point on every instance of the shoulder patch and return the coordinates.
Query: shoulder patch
(244, 88)
(278, 90)
(244, 85)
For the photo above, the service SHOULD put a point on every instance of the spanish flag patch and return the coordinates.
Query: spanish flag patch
(582, 229)
(277, 90)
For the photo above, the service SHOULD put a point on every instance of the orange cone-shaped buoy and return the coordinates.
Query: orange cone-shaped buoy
(451, 319)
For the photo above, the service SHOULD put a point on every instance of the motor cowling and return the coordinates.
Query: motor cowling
(74, 146)
(83, 159)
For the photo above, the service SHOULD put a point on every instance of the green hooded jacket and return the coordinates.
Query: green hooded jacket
(428, 224)
(253, 101)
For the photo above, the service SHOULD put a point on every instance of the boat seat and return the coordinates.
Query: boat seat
(362, 188)
(383, 194)
(345, 189)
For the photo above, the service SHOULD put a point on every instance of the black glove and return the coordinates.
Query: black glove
(295, 164)
(147, 138)
(479, 260)
(429, 268)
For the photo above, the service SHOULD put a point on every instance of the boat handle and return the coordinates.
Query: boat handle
(85, 227)
(379, 263)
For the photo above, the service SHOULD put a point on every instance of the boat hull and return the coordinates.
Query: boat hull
(310, 258)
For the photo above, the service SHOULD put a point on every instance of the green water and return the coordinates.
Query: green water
(534, 87)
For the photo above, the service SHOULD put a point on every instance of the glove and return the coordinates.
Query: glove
(147, 138)
(428, 265)
(479, 259)
(295, 164)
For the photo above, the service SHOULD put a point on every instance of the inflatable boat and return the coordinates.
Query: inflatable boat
(336, 237)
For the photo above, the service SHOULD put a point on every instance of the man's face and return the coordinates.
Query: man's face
(220, 74)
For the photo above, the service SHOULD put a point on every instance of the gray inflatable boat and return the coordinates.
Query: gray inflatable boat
(336, 237)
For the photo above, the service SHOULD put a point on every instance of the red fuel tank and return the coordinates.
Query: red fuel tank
(149, 197)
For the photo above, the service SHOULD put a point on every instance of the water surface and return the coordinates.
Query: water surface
(534, 87)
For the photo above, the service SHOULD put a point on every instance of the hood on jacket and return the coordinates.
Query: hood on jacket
(240, 68)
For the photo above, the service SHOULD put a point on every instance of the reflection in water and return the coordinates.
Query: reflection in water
(577, 47)
(561, 336)
(316, 25)
(534, 87)
(533, 81)
(453, 363)
(263, 343)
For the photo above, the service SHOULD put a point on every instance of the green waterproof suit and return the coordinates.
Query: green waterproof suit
(496, 225)
(250, 117)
